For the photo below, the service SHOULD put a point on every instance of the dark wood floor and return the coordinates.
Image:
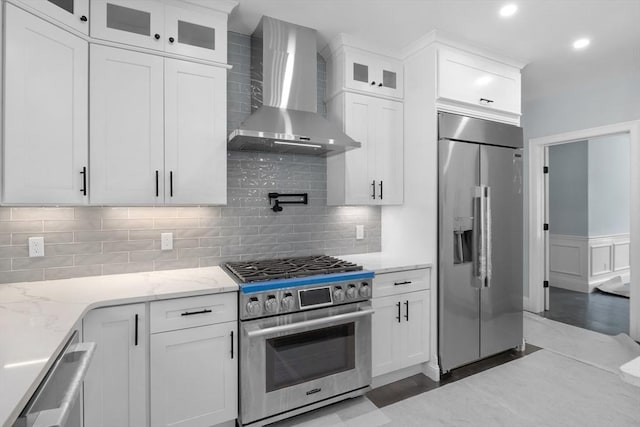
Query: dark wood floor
(417, 384)
(597, 311)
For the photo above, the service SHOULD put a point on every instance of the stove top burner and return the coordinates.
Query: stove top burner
(286, 268)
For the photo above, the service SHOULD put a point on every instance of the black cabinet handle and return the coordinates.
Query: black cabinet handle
(157, 183)
(171, 39)
(379, 84)
(156, 36)
(171, 184)
(380, 190)
(135, 340)
(398, 316)
(373, 187)
(406, 307)
(373, 83)
(83, 172)
(83, 18)
(485, 101)
(406, 282)
(191, 313)
(232, 344)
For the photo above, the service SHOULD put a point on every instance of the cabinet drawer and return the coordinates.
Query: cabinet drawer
(180, 313)
(402, 281)
(478, 81)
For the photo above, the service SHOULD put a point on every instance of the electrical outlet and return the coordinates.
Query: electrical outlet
(359, 232)
(36, 246)
(166, 241)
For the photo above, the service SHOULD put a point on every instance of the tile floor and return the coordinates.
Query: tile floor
(571, 381)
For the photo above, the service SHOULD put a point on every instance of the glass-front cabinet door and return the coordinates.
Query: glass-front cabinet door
(196, 34)
(73, 13)
(134, 22)
(374, 74)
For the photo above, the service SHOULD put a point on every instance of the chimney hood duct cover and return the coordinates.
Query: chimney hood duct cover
(284, 96)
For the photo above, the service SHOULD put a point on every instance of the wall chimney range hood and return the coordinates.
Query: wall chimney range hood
(284, 115)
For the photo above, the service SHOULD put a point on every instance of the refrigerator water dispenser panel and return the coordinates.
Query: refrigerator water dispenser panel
(462, 240)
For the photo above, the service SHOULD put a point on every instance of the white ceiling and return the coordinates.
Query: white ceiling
(541, 32)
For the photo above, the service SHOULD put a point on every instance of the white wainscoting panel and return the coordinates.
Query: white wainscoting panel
(580, 263)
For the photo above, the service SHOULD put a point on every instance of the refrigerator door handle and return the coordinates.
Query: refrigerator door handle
(477, 254)
(488, 236)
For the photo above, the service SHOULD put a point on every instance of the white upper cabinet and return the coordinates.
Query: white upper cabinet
(134, 22)
(196, 34)
(158, 130)
(195, 133)
(127, 159)
(182, 30)
(477, 81)
(45, 112)
(373, 173)
(72, 13)
(371, 73)
(362, 71)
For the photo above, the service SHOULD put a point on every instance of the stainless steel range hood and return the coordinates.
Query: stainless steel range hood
(284, 96)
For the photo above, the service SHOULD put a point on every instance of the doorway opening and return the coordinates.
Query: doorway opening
(585, 263)
(587, 241)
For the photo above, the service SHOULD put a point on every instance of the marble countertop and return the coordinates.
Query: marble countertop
(37, 318)
(630, 372)
(384, 262)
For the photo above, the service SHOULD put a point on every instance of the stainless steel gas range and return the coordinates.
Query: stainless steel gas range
(305, 335)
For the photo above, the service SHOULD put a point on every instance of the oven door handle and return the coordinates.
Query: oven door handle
(256, 331)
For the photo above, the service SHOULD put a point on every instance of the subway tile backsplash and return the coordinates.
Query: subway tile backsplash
(90, 241)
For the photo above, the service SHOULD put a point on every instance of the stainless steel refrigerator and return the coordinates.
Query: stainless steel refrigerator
(480, 239)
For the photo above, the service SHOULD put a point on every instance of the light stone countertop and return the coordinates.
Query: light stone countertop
(384, 262)
(36, 319)
(630, 371)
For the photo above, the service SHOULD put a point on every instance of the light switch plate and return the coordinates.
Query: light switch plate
(36, 246)
(166, 241)
(359, 232)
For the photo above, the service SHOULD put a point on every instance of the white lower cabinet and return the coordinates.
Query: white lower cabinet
(115, 387)
(401, 323)
(194, 379)
(194, 364)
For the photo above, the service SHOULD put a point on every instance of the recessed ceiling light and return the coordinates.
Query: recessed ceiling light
(508, 10)
(581, 43)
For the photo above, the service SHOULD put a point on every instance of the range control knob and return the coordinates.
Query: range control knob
(365, 290)
(352, 292)
(271, 304)
(288, 302)
(254, 307)
(338, 294)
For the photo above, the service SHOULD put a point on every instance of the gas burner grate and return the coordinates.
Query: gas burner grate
(286, 268)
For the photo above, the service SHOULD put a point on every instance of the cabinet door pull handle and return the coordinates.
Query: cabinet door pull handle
(379, 84)
(380, 190)
(171, 184)
(171, 39)
(373, 83)
(373, 187)
(232, 344)
(83, 18)
(406, 307)
(398, 316)
(406, 282)
(157, 183)
(135, 339)
(485, 101)
(156, 36)
(83, 172)
(191, 313)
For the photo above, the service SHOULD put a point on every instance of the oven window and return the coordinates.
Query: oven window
(295, 359)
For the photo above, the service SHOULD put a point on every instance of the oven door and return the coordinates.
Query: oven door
(294, 360)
